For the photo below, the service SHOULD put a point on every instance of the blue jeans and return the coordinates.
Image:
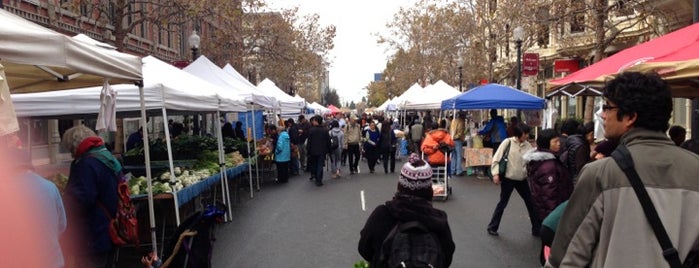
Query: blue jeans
(455, 167)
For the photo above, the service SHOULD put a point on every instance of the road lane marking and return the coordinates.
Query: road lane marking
(361, 193)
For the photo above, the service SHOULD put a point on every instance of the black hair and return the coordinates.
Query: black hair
(676, 131)
(443, 123)
(545, 137)
(570, 126)
(587, 128)
(645, 95)
(334, 124)
(493, 112)
(434, 125)
(318, 119)
(520, 129)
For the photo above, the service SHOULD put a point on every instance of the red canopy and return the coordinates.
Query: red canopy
(333, 109)
(674, 56)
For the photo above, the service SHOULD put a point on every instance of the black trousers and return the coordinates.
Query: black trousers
(283, 172)
(546, 240)
(354, 156)
(388, 155)
(372, 155)
(506, 188)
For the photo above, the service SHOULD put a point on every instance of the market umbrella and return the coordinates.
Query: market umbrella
(675, 56)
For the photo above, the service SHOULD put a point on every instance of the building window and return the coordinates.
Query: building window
(624, 8)
(85, 10)
(577, 21)
(493, 6)
(543, 28)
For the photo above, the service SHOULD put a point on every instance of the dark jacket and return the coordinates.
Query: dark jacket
(548, 179)
(387, 140)
(318, 141)
(575, 154)
(294, 134)
(90, 184)
(239, 133)
(404, 208)
(306, 127)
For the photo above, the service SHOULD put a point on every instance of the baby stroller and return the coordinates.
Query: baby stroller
(192, 243)
(440, 175)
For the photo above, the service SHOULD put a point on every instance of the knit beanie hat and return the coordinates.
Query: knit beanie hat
(416, 178)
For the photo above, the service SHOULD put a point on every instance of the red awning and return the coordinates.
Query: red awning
(667, 55)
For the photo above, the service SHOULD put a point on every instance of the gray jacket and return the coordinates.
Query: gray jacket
(604, 224)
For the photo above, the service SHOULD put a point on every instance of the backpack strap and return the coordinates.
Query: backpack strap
(622, 157)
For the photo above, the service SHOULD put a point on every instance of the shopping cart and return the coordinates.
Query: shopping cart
(440, 179)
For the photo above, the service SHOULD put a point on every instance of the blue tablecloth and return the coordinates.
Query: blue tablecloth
(192, 191)
(188, 193)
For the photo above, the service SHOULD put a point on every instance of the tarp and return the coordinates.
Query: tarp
(430, 97)
(318, 109)
(493, 96)
(333, 109)
(34, 56)
(203, 68)
(675, 56)
(164, 86)
(247, 121)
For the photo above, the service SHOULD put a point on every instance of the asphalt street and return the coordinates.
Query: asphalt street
(300, 225)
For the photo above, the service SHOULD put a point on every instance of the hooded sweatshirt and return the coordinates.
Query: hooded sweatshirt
(337, 132)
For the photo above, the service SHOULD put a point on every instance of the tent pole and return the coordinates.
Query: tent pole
(168, 143)
(254, 136)
(222, 166)
(149, 179)
(247, 121)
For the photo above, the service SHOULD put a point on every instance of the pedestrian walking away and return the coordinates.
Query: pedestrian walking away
(282, 155)
(371, 146)
(354, 137)
(411, 203)
(318, 145)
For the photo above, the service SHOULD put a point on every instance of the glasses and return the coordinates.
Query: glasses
(606, 108)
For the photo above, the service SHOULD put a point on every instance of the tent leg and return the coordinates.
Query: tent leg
(149, 179)
(168, 143)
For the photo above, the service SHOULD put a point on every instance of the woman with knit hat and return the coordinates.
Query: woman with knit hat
(412, 202)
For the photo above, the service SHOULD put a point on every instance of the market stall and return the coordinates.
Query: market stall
(167, 89)
(489, 96)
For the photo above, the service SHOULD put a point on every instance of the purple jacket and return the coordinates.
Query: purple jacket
(549, 181)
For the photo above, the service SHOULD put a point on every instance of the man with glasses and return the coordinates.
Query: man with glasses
(604, 224)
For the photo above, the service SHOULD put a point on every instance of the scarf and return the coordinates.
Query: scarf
(94, 147)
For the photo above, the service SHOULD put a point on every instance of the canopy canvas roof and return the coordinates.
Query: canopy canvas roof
(165, 86)
(39, 59)
(203, 68)
(675, 56)
(430, 97)
(400, 100)
(287, 103)
(493, 96)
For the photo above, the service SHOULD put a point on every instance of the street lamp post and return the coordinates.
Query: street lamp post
(460, 63)
(194, 42)
(518, 34)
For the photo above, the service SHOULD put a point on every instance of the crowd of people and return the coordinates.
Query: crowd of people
(577, 194)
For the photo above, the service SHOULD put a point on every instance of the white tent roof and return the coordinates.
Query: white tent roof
(320, 109)
(287, 103)
(35, 57)
(430, 97)
(203, 68)
(414, 89)
(164, 86)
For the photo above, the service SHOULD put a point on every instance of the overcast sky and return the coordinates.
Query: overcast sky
(356, 56)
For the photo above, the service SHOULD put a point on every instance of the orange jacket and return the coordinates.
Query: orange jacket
(430, 146)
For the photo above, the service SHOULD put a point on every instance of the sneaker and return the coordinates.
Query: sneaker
(319, 184)
(493, 232)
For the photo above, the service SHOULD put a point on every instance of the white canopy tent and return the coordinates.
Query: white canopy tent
(287, 103)
(203, 68)
(319, 109)
(412, 90)
(430, 97)
(166, 88)
(37, 59)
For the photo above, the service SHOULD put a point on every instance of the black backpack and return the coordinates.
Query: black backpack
(411, 244)
(334, 143)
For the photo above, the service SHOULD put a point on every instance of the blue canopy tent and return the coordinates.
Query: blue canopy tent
(493, 96)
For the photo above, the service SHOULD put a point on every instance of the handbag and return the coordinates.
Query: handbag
(502, 164)
(622, 157)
